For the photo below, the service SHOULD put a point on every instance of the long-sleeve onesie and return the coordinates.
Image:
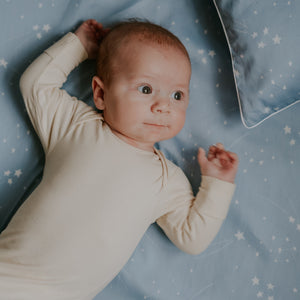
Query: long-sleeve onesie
(97, 197)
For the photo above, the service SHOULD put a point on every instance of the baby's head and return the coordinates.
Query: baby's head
(142, 83)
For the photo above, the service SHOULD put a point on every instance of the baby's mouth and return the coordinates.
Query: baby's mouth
(158, 125)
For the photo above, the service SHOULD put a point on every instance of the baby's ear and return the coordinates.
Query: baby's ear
(98, 92)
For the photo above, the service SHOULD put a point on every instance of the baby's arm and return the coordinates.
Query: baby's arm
(191, 223)
(51, 109)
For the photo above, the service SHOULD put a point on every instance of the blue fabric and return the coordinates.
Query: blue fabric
(263, 37)
(256, 255)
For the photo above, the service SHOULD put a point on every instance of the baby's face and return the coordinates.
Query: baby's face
(147, 98)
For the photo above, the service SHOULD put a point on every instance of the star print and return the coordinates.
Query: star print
(292, 220)
(46, 27)
(276, 39)
(261, 45)
(270, 298)
(255, 281)
(236, 72)
(9, 181)
(254, 35)
(18, 173)
(3, 63)
(266, 30)
(292, 142)
(290, 63)
(259, 294)
(212, 53)
(270, 286)
(36, 27)
(239, 235)
(7, 173)
(298, 227)
(39, 35)
(287, 129)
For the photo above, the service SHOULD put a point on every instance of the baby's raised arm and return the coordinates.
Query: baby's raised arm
(51, 109)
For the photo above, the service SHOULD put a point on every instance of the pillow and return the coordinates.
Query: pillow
(264, 42)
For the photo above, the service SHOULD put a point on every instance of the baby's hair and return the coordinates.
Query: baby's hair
(143, 31)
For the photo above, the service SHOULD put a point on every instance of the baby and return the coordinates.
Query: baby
(104, 183)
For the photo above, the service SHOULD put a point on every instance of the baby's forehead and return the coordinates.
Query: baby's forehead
(133, 40)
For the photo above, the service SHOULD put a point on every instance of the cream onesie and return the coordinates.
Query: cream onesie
(97, 197)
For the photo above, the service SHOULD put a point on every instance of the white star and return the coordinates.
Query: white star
(290, 63)
(236, 72)
(3, 63)
(259, 294)
(292, 142)
(255, 281)
(254, 35)
(292, 220)
(9, 181)
(261, 45)
(287, 129)
(276, 39)
(13, 150)
(239, 235)
(46, 27)
(295, 290)
(270, 298)
(18, 173)
(212, 53)
(200, 51)
(7, 173)
(266, 30)
(270, 286)
(39, 35)
(35, 27)
(298, 227)
(204, 60)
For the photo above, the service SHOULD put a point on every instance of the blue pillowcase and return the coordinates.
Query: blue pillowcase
(264, 42)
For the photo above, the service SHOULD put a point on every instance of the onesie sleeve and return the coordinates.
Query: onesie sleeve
(191, 223)
(51, 109)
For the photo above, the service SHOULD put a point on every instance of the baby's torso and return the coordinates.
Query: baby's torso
(97, 198)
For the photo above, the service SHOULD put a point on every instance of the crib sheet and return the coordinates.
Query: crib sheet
(256, 253)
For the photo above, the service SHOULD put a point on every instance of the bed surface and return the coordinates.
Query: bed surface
(256, 253)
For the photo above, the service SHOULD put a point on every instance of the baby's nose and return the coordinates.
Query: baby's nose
(161, 105)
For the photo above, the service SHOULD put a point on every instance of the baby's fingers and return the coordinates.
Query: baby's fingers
(201, 156)
(233, 157)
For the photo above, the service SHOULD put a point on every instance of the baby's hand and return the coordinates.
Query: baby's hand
(219, 163)
(90, 34)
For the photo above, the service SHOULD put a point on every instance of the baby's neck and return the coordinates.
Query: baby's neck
(132, 142)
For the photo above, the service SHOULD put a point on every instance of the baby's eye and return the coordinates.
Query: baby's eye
(177, 95)
(145, 89)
